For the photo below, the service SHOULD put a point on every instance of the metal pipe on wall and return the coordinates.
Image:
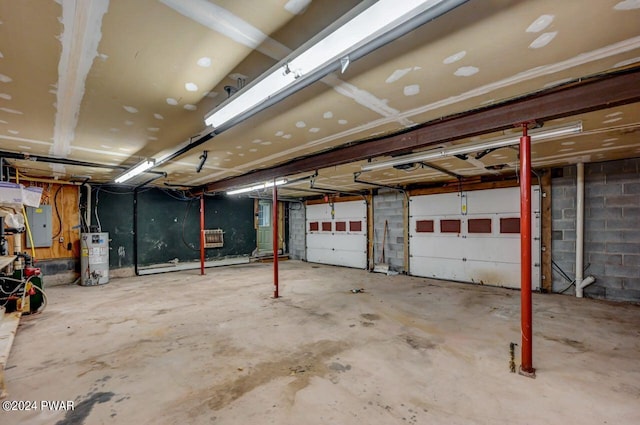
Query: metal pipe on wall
(581, 281)
(275, 239)
(135, 231)
(87, 211)
(526, 367)
(202, 234)
(579, 227)
(66, 161)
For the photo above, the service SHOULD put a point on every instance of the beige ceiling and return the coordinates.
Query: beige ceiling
(114, 81)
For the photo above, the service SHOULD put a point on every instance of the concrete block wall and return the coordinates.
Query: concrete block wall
(297, 229)
(612, 229)
(563, 225)
(388, 205)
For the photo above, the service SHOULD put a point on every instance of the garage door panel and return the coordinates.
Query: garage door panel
(317, 212)
(351, 242)
(493, 201)
(437, 246)
(350, 209)
(333, 257)
(491, 249)
(482, 251)
(445, 204)
(336, 234)
(469, 249)
(493, 273)
(439, 268)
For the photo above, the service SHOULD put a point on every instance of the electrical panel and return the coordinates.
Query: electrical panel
(40, 224)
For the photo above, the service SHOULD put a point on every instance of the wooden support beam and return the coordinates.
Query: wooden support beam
(464, 186)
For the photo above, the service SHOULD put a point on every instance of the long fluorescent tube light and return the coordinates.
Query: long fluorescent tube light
(242, 102)
(380, 23)
(137, 169)
(256, 187)
(536, 136)
(373, 22)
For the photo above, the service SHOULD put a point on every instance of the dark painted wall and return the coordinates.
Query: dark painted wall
(115, 212)
(169, 226)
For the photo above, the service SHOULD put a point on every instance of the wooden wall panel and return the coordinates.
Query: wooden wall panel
(66, 214)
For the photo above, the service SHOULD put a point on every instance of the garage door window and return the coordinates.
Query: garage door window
(450, 226)
(264, 215)
(424, 226)
(480, 225)
(510, 225)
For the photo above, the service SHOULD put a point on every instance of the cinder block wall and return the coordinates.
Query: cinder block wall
(297, 249)
(387, 205)
(612, 229)
(563, 225)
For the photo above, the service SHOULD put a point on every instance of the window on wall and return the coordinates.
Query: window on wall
(480, 225)
(450, 226)
(355, 226)
(314, 226)
(424, 226)
(264, 215)
(510, 225)
(326, 226)
(341, 226)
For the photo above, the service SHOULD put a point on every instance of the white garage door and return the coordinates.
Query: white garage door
(472, 236)
(337, 234)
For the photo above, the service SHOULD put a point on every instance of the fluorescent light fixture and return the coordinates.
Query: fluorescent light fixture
(536, 136)
(256, 187)
(375, 21)
(137, 169)
(354, 37)
(246, 100)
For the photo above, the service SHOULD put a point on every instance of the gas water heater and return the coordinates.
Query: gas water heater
(94, 259)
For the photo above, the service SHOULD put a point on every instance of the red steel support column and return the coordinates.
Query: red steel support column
(202, 234)
(526, 368)
(275, 239)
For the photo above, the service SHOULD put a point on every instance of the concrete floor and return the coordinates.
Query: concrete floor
(181, 348)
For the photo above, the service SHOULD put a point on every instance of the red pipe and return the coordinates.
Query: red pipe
(526, 368)
(275, 240)
(202, 234)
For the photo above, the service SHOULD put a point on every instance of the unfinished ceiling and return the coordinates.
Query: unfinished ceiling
(115, 81)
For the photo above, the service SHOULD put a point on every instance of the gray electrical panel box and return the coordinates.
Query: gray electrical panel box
(40, 225)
